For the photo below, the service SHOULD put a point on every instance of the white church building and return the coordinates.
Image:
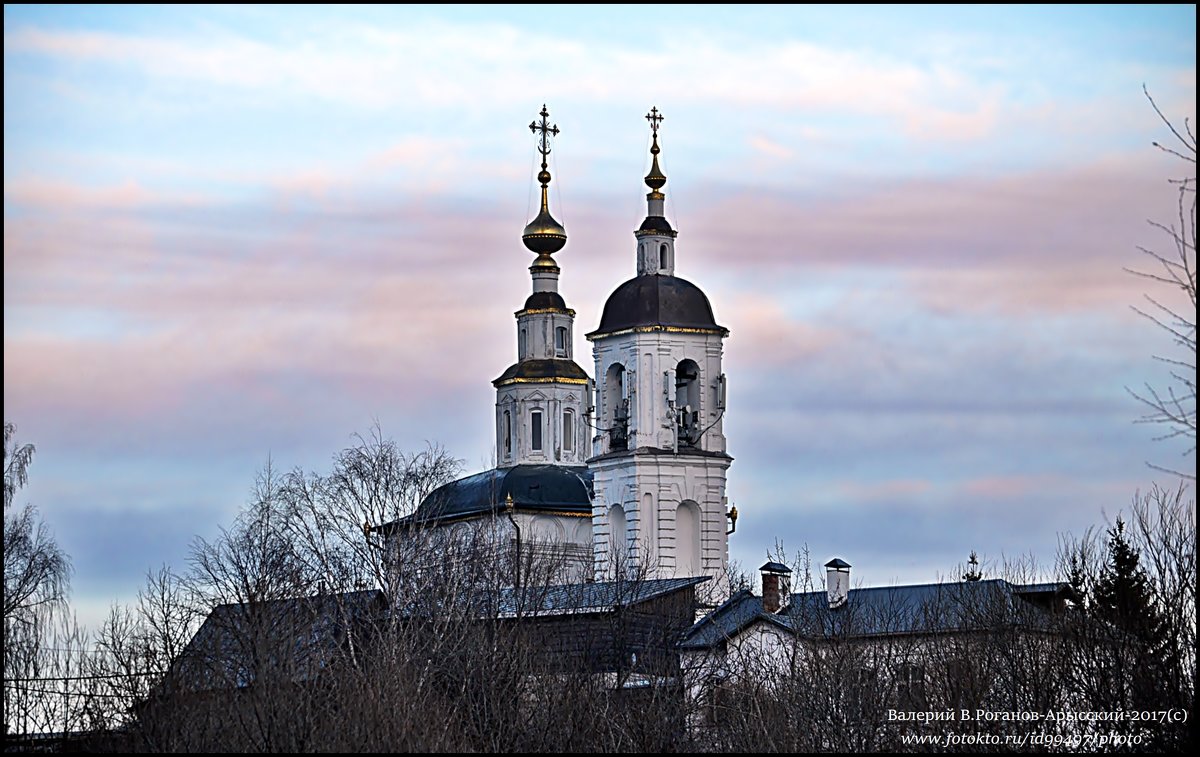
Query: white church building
(626, 471)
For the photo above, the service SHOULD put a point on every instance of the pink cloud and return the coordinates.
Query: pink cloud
(1011, 487)
(1051, 239)
(128, 195)
(884, 492)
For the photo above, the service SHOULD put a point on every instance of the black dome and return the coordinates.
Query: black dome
(545, 300)
(656, 223)
(656, 300)
(533, 487)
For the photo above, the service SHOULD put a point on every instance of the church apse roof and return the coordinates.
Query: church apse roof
(538, 488)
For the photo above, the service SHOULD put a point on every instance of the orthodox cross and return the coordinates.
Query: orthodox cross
(544, 138)
(655, 118)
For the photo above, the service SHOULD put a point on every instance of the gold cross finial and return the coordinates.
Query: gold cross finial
(544, 141)
(655, 118)
(655, 179)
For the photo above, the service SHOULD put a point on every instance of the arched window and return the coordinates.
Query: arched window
(687, 403)
(662, 257)
(522, 345)
(568, 431)
(561, 343)
(535, 430)
(648, 521)
(507, 433)
(687, 540)
(616, 407)
(618, 537)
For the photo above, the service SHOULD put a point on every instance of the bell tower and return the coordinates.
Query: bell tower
(658, 454)
(541, 399)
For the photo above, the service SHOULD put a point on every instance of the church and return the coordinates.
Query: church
(618, 479)
(625, 471)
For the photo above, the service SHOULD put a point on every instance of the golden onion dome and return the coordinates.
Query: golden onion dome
(544, 235)
(656, 178)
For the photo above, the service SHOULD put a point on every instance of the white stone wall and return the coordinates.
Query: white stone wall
(650, 257)
(650, 489)
(520, 400)
(539, 334)
(652, 478)
(560, 544)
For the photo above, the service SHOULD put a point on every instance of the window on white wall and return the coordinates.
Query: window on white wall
(560, 342)
(507, 433)
(568, 431)
(535, 430)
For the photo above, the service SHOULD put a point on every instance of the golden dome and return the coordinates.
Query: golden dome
(543, 234)
(656, 178)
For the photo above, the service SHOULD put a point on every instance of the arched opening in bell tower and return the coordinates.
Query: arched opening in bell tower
(687, 403)
(616, 402)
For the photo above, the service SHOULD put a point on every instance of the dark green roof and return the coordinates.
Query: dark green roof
(542, 368)
(550, 488)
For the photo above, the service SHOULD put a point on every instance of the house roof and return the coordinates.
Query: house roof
(600, 596)
(880, 611)
(233, 636)
(560, 599)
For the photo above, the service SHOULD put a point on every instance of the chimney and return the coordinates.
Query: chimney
(837, 582)
(776, 586)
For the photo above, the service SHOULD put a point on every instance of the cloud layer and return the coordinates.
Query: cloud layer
(242, 241)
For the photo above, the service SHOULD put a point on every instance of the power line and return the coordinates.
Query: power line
(72, 693)
(81, 678)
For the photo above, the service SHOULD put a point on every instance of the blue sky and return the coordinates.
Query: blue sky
(247, 231)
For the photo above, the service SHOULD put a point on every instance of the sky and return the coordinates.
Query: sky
(246, 232)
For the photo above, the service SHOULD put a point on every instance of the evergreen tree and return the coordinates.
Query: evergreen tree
(1122, 592)
(1124, 600)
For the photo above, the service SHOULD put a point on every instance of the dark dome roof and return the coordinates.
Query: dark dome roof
(533, 487)
(656, 300)
(656, 223)
(542, 368)
(543, 300)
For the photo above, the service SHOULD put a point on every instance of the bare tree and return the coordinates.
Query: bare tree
(1174, 407)
(36, 581)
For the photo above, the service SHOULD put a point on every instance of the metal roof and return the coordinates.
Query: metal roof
(550, 488)
(881, 611)
(656, 300)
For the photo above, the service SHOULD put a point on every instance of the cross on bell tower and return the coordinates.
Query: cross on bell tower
(655, 118)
